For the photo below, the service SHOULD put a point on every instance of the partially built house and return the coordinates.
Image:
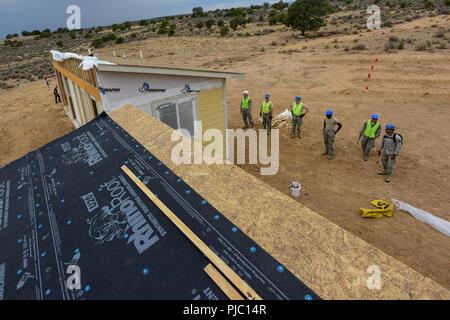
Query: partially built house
(176, 97)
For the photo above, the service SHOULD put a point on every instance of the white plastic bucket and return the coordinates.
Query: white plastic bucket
(296, 189)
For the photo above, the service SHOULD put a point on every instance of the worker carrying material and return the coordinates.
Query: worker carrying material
(370, 131)
(298, 110)
(246, 110)
(391, 147)
(331, 126)
(266, 113)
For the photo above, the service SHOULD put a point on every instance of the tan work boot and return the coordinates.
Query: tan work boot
(325, 153)
(382, 173)
(388, 178)
(366, 157)
(330, 157)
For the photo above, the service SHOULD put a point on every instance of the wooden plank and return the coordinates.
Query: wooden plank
(222, 283)
(93, 91)
(248, 292)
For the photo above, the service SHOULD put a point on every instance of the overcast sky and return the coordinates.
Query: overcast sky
(19, 15)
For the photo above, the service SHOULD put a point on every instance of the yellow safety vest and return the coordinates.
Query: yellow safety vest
(246, 103)
(370, 131)
(297, 109)
(266, 107)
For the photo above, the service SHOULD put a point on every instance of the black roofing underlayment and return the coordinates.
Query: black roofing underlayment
(70, 204)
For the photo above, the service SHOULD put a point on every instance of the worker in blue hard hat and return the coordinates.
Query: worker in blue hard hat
(370, 131)
(298, 110)
(331, 126)
(266, 113)
(391, 146)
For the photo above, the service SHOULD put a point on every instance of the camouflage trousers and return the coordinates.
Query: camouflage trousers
(367, 144)
(329, 137)
(296, 126)
(389, 161)
(267, 122)
(247, 117)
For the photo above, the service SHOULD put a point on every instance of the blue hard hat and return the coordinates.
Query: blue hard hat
(298, 98)
(375, 116)
(329, 112)
(267, 95)
(390, 126)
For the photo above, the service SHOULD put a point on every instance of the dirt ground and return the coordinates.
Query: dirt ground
(408, 88)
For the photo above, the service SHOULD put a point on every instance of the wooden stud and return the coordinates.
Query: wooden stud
(222, 283)
(248, 292)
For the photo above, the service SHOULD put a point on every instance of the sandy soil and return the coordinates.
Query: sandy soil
(29, 119)
(408, 88)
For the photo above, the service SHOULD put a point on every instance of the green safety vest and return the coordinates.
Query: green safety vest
(266, 107)
(297, 109)
(246, 103)
(371, 131)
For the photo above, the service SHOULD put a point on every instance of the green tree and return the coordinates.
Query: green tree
(280, 5)
(236, 22)
(307, 15)
(197, 12)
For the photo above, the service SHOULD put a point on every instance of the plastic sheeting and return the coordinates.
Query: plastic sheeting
(437, 223)
(87, 62)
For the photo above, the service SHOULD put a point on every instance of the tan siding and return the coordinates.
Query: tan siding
(210, 109)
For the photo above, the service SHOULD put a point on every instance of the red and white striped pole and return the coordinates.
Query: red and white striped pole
(372, 69)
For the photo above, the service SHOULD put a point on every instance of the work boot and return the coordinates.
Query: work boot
(245, 127)
(325, 153)
(330, 157)
(292, 135)
(382, 173)
(366, 157)
(388, 178)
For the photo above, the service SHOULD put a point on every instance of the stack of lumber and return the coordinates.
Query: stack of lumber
(282, 120)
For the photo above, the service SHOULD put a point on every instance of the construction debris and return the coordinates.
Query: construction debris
(282, 120)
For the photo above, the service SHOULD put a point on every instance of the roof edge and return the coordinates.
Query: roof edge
(170, 71)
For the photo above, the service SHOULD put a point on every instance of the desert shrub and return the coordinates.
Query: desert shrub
(200, 25)
(220, 23)
(224, 31)
(209, 23)
(359, 46)
(120, 40)
(60, 44)
(440, 33)
(423, 46)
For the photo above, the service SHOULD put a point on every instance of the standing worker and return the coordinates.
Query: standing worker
(390, 148)
(298, 110)
(246, 110)
(56, 94)
(329, 133)
(370, 131)
(266, 113)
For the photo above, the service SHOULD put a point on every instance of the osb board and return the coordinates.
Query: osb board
(330, 260)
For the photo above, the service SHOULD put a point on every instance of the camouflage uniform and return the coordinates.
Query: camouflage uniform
(390, 149)
(329, 135)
